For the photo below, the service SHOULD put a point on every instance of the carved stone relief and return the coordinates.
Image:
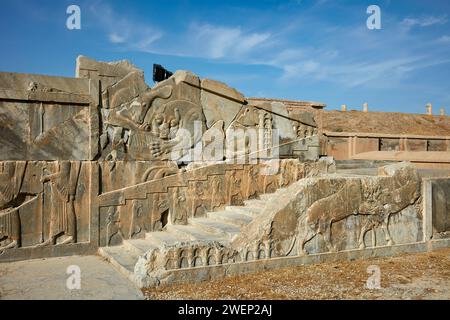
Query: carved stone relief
(308, 219)
(43, 203)
(101, 158)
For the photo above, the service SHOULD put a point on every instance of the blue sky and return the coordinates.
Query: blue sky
(318, 50)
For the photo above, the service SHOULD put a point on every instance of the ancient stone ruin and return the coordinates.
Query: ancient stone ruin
(188, 180)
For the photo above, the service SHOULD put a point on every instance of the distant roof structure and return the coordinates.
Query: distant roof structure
(290, 104)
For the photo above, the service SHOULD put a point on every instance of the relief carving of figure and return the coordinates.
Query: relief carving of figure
(252, 182)
(403, 191)
(172, 129)
(322, 213)
(137, 218)
(378, 201)
(131, 115)
(179, 209)
(234, 188)
(217, 195)
(160, 211)
(11, 176)
(63, 220)
(113, 227)
(198, 197)
(128, 116)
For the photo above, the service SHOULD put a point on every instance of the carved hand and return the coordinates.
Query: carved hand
(144, 127)
(159, 148)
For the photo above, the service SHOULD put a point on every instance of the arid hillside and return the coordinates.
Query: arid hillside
(384, 122)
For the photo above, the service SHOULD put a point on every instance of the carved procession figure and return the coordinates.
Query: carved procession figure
(62, 214)
(11, 176)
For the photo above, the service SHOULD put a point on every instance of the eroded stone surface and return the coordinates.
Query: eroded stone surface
(175, 180)
(91, 160)
(305, 219)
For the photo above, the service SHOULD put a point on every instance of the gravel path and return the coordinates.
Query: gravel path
(47, 279)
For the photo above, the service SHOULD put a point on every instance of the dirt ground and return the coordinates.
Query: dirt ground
(411, 276)
(381, 122)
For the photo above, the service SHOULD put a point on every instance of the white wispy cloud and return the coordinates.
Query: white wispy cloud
(301, 69)
(125, 31)
(201, 40)
(350, 55)
(116, 38)
(444, 39)
(225, 42)
(353, 72)
(425, 21)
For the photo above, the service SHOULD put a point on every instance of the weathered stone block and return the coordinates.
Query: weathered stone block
(220, 102)
(387, 144)
(441, 206)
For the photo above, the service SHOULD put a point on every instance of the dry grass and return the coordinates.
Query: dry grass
(412, 276)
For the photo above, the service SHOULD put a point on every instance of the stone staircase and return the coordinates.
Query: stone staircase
(220, 226)
(360, 167)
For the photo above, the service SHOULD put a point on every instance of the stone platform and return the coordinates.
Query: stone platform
(188, 180)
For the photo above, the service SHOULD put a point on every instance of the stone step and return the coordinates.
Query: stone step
(251, 211)
(195, 233)
(257, 203)
(164, 238)
(358, 172)
(221, 226)
(231, 217)
(220, 229)
(122, 258)
(140, 246)
(265, 196)
(360, 163)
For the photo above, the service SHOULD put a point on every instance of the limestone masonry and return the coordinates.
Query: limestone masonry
(190, 180)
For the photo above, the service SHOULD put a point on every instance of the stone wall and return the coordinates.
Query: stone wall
(372, 211)
(178, 119)
(312, 216)
(103, 158)
(343, 146)
(45, 208)
(52, 208)
(441, 207)
(92, 160)
(427, 152)
(166, 195)
(47, 118)
(109, 112)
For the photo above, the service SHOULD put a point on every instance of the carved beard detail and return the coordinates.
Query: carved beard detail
(165, 126)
